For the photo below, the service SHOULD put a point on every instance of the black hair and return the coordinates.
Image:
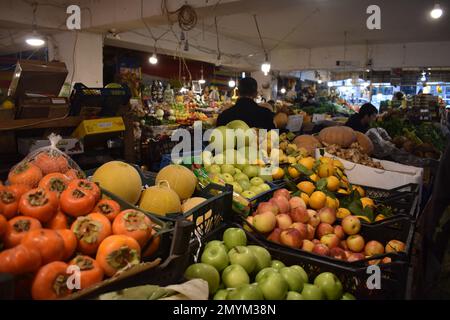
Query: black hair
(368, 109)
(271, 102)
(248, 87)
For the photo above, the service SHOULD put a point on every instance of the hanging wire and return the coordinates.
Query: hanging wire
(260, 36)
(219, 55)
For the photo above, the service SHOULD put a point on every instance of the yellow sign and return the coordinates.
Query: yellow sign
(96, 126)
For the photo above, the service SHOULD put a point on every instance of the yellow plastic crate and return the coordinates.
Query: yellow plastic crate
(96, 126)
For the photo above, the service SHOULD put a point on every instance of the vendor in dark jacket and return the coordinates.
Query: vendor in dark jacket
(361, 120)
(246, 109)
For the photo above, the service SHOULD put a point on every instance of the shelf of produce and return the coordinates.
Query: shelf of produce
(39, 123)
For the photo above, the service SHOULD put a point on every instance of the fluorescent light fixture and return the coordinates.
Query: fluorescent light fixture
(35, 40)
(231, 83)
(283, 90)
(437, 11)
(153, 59)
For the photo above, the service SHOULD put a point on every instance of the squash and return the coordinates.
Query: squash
(339, 135)
(280, 120)
(181, 180)
(121, 179)
(365, 142)
(160, 199)
(190, 204)
(307, 142)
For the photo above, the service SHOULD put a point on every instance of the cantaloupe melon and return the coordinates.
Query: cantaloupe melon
(181, 180)
(160, 199)
(121, 179)
(190, 204)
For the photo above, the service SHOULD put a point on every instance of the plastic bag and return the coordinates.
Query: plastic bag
(47, 160)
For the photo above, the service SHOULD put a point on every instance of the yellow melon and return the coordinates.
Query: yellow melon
(190, 204)
(181, 180)
(160, 199)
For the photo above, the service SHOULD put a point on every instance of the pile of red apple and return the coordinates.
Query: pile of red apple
(286, 220)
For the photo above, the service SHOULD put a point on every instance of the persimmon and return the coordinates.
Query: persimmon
(54, 182)
(20, 259)
(73, 174)
(109, 208)
(39, 203)
(76, 202)
(118, 252)
(3, 225)
(135, 224)
(50, 282)
(91, 272)
(70, 243)
(26, 173)
(87, 186)
(17, 228)
(49, 243)
(58, 222)
(90, 231)
(9, 202)
(150, 249)
(51, 161)
(19, 189)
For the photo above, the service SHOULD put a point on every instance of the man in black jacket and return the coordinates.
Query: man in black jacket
(246, 109)
(361, 120)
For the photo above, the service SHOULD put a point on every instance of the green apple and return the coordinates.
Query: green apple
(330, 285)
(302, 272)
(206, 272)
(293, 279)
(245, 184)
(348, 296)
(215, 168)
(219, 159)
(256, 181)
(266, 178)
(221, 294)
(261, 274)
(207, 158)
(265, 187)
(255, 189)
(235, 276)
(215, 256)
(262, 256)
(228, 168)
(237, 171)
(216, 243)
(273, 286)
(207, 167)
(277, 264)
(292, 295)
(228, 178)
(237, 187)
(240, 176)
(251, 171)
(246, 292)
(312, 292)
(243, 256)
(248, 194)
(233, 237)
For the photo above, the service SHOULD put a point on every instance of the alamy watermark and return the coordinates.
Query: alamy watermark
(374, 20)
(73, 21)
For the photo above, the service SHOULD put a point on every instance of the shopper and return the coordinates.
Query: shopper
(361, 120)
(246, 109)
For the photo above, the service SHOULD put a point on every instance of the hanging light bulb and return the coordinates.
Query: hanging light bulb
(437, 11)
(153, 59)
(265, 67)
(35, 40)
(231, 83)
(283, 90)
(243, 75)
(202, 80)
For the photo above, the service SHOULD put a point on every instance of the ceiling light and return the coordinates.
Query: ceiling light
(153, 59)
(367, 70)
(243, 75)
(265, 67)
(319, 81)
(202, 81)
(437, 12)
(35, 40)
(231, 83)
(283, 90)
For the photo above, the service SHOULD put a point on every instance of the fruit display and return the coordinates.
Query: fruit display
(354, 153)
(237, 270)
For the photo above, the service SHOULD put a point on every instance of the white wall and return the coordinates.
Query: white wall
(83, 55)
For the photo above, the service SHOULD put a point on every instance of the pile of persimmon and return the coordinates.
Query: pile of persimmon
(51, 221)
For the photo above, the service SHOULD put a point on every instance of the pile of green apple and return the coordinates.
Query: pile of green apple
(237, 271)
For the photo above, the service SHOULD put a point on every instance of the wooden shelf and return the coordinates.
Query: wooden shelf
(39, 123)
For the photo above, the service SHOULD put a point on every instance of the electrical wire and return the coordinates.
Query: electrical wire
(260, 36)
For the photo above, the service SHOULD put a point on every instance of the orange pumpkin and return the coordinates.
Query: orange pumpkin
(340, 135)
(309, 143)
(365, 142)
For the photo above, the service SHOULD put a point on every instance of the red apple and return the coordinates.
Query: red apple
(355, 257)
(347, 254)
(308, 245)
(291, 237)
(327, 215)
(338, 253)
(314, 219)
(339, 231)
(275, 235)
(311, 231)
(283, 221)
(330, 240)
(321, 249)
(282, 203)
(386, 260)
(395, 246)
(373, 248)
(299, 214)
(374, 262)
(264, 222)
(302, 229)
(323, 229)
(267, 206)
(282, 192)
(296, 202)
(351, 225)
(343, 245)
(316, 241)
(355, 243)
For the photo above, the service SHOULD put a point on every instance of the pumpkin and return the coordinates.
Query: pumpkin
(160, 199)
(181, 180)
(190, 204)
(340, 135)
(365, 142)
(307, 142)
(280, 120)
(121, 179)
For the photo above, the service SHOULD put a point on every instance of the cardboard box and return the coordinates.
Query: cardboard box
(67, 145)
(97, 126)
